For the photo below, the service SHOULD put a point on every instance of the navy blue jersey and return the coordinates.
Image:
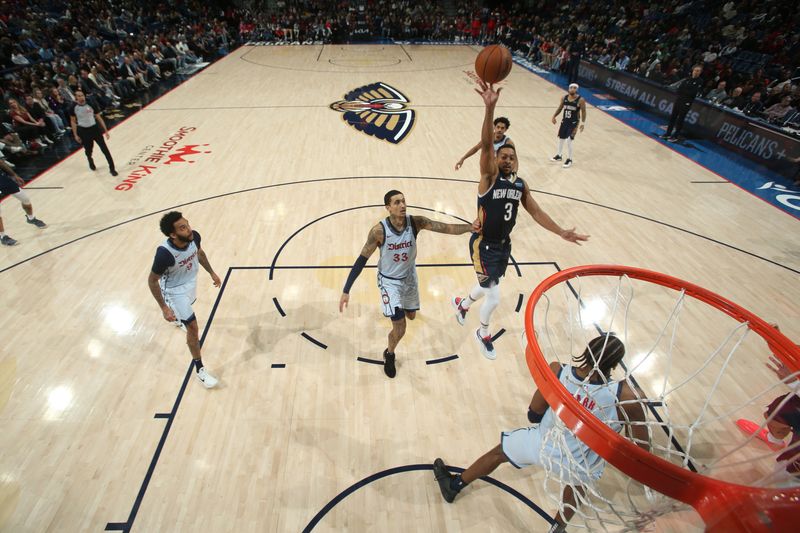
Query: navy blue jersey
(497, 208)
(571, 110)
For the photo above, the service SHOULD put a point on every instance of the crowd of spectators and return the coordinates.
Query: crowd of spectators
(750, 49)
(112, 51)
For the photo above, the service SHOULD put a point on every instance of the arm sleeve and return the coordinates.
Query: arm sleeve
(196, 238)
(358, 266)
(162, 261)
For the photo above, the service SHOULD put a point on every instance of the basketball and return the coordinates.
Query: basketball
(493, 63)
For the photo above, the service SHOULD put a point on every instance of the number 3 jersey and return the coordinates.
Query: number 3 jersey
(398, 251)
(497, 208)
(177, 266)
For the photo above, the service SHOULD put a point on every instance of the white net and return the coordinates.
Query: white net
(691, 371)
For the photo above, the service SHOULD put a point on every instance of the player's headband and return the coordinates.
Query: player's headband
(571, 85)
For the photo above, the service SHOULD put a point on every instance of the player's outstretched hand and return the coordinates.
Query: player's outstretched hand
(343, 301)
(488, 93)
(169, 316)
(215, 279)
(460, 162)
(571, 236)
(779, 368)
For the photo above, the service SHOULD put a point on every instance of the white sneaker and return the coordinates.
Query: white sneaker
(461, 314)
(485, 343)
(206, 379)
(181, 325)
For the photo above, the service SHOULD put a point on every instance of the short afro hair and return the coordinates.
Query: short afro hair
(502, 120)
(168, 221)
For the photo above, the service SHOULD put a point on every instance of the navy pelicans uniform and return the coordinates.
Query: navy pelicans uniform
(178, 270)
(563, 453)
(397, 269)
(497, 211)
(499, 144)
(569, 117)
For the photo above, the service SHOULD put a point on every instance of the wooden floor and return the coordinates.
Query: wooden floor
(88, 365)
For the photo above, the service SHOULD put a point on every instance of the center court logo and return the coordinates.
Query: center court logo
(377, 110)
(151, 158)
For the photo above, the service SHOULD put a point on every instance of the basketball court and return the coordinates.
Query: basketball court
(106, 428)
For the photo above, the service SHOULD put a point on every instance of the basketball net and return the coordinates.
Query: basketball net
(696, 364)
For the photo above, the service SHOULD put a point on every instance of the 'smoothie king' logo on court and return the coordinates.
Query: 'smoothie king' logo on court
(377, 110)
(151, 158)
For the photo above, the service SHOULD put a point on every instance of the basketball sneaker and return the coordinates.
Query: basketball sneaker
(206, 379)
(5, 240)
(751, 428)
(555, 158)
(445, 480)
(567, 163)
(91, 164)
(485, 343)
(388, 364)
(461, 314)
(36, 222)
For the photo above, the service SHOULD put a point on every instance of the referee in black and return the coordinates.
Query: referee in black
(86, 124)
(688, 89)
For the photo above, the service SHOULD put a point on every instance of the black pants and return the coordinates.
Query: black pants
(92, 135)
(679, 111)
(572, 70)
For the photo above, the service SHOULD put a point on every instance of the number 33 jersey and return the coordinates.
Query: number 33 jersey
(497, 208)
(398, 251)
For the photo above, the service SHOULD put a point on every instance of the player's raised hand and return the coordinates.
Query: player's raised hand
(488, 93)
(780, 369)
(343, 301)
(571, 236)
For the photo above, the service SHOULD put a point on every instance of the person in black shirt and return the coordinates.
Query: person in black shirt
(576, 51)
(754, 106)
(688, 89)
(500, 193)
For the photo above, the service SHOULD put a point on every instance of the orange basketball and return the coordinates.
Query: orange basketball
(493, 63)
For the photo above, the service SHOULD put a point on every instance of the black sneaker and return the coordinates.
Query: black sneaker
(5, 240)
(36, 222)
(91, 164)
(556, 158)
(388, 364)
(567, 163)
(114, 172)
(444, 478)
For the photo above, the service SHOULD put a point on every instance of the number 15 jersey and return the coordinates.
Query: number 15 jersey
(497, 208)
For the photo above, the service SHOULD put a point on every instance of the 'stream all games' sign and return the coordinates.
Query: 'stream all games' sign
(757, 141)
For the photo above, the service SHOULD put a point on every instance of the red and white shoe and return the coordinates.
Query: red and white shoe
(751, 428)
(461, 314)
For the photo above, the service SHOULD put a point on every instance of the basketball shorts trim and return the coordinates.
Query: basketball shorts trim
(522, 446)
(399, 294)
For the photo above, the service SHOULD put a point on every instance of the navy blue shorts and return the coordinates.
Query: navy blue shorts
(489, 258)
(567, 129)
(7, 185)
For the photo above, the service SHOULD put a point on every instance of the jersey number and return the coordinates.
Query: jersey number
(400, 257)
(509, 212)
(567, 113)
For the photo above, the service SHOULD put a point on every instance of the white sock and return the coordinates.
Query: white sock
(30, 217)
(569, 148)
(484, 331)
(2, 234)
(488, 307)
(773, 439)
(560, 145)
